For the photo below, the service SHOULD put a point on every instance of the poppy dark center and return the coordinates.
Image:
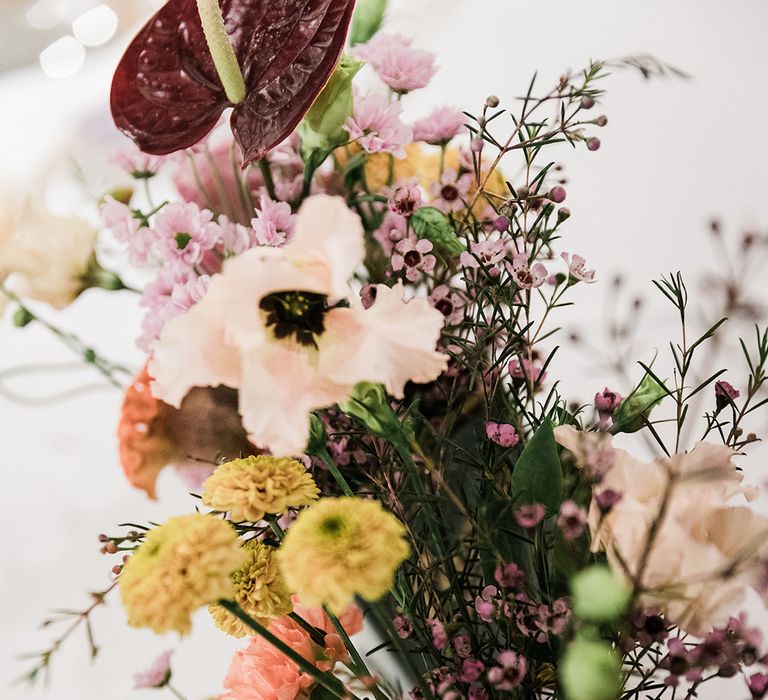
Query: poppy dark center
(298, 314)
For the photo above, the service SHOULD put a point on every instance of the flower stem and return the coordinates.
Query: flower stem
(335, 472)
(174, 691)
(329, 682)
(221, 50)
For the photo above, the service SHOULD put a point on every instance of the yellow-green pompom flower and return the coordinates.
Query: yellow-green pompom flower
(180, 567)
(342, 547)
(260, 591)
(250, 488)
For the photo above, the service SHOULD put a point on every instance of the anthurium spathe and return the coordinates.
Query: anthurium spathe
(167, 92)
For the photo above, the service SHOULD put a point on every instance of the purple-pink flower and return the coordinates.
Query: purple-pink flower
(527, 276)
(577, 269)
(157, 675)
(725, 394)
(486, 603)
(448, 303)
(412, 256)
(139, 164)
(402, 67)
(393, 228)
(274, 223)
(376, 126)
(439, 635)
(510, 672)
(510, 576)
(405, 198)
(127, 228)
(502, 434)
(571, 520)
(471, 670)
(529, 515)
(485, 253)
(450, 194)
(440, 126)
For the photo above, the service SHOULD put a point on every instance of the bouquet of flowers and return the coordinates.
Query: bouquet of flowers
(350, 346)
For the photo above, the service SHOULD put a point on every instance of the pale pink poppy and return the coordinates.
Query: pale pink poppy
(272, 326)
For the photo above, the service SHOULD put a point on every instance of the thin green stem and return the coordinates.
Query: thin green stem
(174, 691)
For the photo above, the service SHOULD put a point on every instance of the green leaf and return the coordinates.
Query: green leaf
(367, 20)
(538, 476)
(432, 224)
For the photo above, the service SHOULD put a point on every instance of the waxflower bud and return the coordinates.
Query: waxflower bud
(602, 120)
(492, 101)
(476, 145)
(598, 596)
(593, 143)
(587, 102)
(501, 223)
(563, 213)
(557, 194)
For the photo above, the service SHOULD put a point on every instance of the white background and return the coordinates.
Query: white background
(674, 154)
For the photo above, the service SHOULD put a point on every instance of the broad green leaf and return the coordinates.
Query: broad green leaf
(367, 20)
(432, 224)
(538, 476)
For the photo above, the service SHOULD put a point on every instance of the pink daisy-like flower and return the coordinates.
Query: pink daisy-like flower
(394, 228)
(571, 520)
(185, 233)
(400, 66)
(511, 671)
(486, 603)
(485, 253)
(527, 370)
(376, 126)
(529, 515)
(413, 257)
(274, 223)
(450, 194)
(235, 238)
(527, 276)
(577, 269)
(440, 126)
(140, 165)
(120, 220)
(448, 303)
(271, 327)
(157, 675)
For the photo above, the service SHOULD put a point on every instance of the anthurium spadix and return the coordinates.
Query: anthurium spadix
(268, 59)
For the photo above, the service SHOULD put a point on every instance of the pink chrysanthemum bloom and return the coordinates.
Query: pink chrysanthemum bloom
(273, 325)
(376, 126)
(157, 675)
(397, 63)
(274, 223)
(393, 228)
(450, 194)
(527, 276)
(577, 269)
(185, 233)
(119, 219)
(412, 257)
(235, 238)
(440, 126)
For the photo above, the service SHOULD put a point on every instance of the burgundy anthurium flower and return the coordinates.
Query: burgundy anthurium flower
(167, 94)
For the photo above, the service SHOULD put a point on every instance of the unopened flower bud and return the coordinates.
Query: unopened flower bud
(587, 102)
(563, 213)
(110, 548)
(492, 101)
(557, 194)
(522, 192)
(501, 223)
(103, 538)
(476, 145)
(602, 120)
(116, 569)
(593, 143)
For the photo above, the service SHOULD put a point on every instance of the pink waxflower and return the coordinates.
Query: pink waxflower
(607, 401)
(405, 197)
(725, 394)
(376, 126)
(471, 670)
(462, 646)
(477, 692)
(502, 434)
(393, 228)
(400, 66)
(527, 276)
(529, 515)
(129, 229)
(486, 603)
(577, 269)
(510, 672)
(758, 685)
(412, 256)
(403, 627)
(450, 194)
(448, 303)
(185, 233)
(157, 675)
(440, 126)
(439, 635)
(140, 165)
(271, 327)
(485, 253)
(510, 576)
(274, 223)
(571, 520)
